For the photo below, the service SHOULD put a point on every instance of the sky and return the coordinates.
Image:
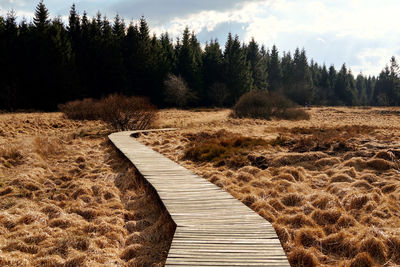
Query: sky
(364, 34)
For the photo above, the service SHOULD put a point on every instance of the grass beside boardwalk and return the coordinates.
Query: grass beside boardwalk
(329, 185)
(67, 198)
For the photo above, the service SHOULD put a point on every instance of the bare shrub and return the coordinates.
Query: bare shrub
(264, 105)
(127, 113)
(177, 92)
(86, 109)
(120, 112)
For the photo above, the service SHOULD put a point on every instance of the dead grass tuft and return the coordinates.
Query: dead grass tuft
(131, 252)
(362, 260)
(326, 217)
(18, 245)
(11, 155)
(293, 200)
(60, 223)
(381, 164)
(339, 244)
(222, 148)
(47, 147)
(375, 248)
(341, 178)
(393, 246)
(308, 237)
(302, 258)
(356, 202)
(295, 221)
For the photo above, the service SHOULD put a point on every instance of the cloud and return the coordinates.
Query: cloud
(373, 60)
(161, 11)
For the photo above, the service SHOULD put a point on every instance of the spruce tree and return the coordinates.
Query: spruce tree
(257, 66)
(362, 90)
(237, 71)
(41, 18)
(274, 71)
(213, 72)
(301, 90)
(118, 28)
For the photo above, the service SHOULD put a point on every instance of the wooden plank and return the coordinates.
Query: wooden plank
(213, 228)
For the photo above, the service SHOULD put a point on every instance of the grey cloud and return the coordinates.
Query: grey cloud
(160, 11)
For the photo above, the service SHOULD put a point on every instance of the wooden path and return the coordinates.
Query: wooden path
(213, 228)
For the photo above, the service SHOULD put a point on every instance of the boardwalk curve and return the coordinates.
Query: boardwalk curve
(213, 227)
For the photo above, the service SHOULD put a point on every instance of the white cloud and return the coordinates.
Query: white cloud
(372, 26)
(373, 60)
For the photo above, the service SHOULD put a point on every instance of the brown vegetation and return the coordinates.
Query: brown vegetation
(67, 198)
(264, 105)
(329, 185)
(120, 112)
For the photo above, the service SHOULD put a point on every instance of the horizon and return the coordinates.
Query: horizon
(365, 46)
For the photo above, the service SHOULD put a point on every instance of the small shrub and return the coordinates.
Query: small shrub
(177, 92)
(264, 105)
(120, 112)
(86, 109)
(127, 113)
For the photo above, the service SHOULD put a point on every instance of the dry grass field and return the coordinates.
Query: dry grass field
(67, 198)
(329, 185)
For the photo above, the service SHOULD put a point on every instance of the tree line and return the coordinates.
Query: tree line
(45, 62)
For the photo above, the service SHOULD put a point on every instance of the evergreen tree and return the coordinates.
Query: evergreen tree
(301, 90)
(344, 87)
(213, 72)
(74, 24)
(41, 19)
(324, 93)
(287, 71)
(169, 52)
(237, 74)
(274, 71)
(189, 63)
(118, 28)
(257, 66)
(362, 90)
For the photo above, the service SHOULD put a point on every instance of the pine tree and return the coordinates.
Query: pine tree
(41, 19)
(287, 71)
(213, 72)
(344, 87)
(236, 70)
(257, 66)
(169, 52)
(395, 82)
(324, 93)
(74, 23)
(362, 90)
(301, 90)
(274, 71)
(189, 63)
(118, 28)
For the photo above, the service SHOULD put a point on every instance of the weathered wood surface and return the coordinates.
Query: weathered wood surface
(213, 228)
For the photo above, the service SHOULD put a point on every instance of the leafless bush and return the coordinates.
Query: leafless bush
(264, 105)
(121, 112)
(127, 113)
(177, 92)
(86, 109)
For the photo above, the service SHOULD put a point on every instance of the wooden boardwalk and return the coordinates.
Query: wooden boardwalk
(213, 228)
